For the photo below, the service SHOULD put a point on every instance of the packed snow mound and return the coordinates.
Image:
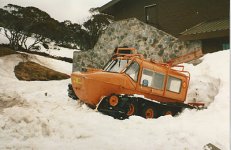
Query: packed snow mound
(206, 77)
(41, 116)
(199, 94)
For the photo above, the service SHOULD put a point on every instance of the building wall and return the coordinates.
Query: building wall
(148, 40)
(214, 44)
(172, 16)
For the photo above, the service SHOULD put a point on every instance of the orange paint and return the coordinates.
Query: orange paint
(90, 86)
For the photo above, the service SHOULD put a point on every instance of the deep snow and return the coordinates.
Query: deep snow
(31, 120)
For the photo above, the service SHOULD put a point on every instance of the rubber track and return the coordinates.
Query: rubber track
(120, 110)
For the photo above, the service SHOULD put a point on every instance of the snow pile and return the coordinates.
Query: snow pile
(208, 77)
(39, 114)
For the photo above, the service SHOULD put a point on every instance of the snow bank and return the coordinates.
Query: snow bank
(208, 77)
(37, 121)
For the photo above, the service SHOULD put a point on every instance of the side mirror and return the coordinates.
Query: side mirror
(145, 82)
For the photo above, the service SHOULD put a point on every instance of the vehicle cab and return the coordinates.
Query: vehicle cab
(153, 80)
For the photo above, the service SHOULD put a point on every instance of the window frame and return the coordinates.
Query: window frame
(164, 75)
(111, 65)
(153, 79)
(142, 76)
(137, 78)
(169, 85)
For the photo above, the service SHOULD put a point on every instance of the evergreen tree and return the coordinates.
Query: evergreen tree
(94, 27)
(20, 23)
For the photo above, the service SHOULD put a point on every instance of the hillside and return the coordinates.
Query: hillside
(39, 114)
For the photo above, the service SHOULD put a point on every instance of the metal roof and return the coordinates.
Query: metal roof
(208, 26)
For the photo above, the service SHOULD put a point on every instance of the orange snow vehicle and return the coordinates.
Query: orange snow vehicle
(131, 85)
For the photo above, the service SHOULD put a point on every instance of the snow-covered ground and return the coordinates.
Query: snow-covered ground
(3, 39)
(31, 120)
(53, 50)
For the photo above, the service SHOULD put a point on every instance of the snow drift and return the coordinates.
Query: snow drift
(39, 115)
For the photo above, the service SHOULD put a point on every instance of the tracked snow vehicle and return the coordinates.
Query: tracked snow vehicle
(131, 85)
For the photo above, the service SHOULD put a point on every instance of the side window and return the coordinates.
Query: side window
(152, 79)
(133, 71)
(146, 75)
(158, 81)
(174, 84)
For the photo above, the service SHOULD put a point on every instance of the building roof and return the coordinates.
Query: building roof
(107, 5)
(206, 27)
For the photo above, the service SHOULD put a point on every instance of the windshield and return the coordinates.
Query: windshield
(133, 70)
(116, 65)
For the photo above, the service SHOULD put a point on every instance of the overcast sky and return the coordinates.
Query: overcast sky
(74, 10)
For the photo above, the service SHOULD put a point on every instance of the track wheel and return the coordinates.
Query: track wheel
(168, 112)
(149, 112)
(132, 109)
(113, 100)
